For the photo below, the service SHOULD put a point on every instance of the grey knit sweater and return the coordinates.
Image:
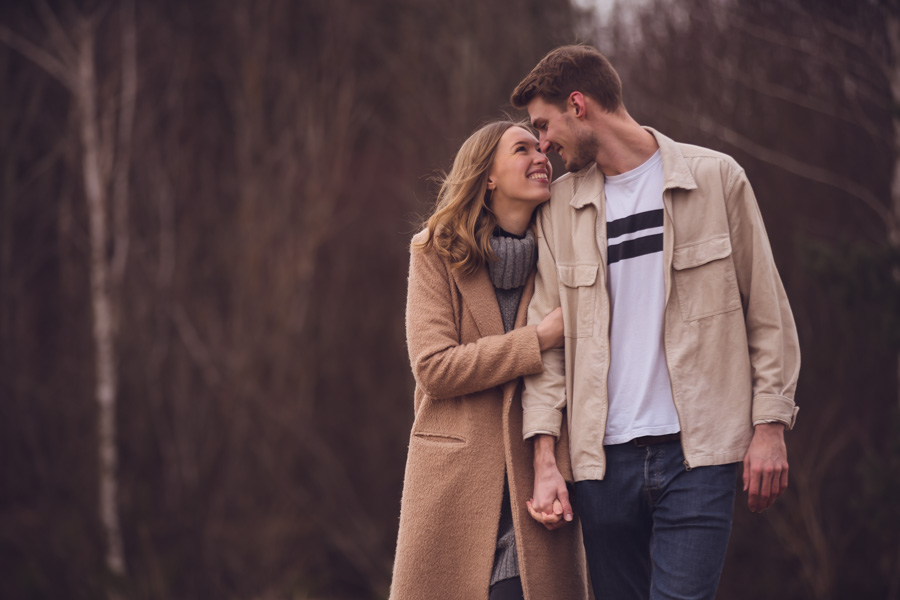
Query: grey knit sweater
(515, 260)
(516, 257)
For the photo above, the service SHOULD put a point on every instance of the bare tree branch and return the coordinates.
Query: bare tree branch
(128, 100)
(893, 28)
(58, 36)
(801, 45)
(787, 94)
(167, 240)
(851, 37)
(40, 167)
(49, 63)
(197, 349)
(788, 163)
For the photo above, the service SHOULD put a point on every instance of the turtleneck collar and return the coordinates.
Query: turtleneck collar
(515, 259)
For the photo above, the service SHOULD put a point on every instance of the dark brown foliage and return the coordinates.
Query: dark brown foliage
(279, 163)
(278, 168)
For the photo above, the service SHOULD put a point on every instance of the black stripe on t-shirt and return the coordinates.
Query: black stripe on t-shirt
(636, 222)
(634, 248)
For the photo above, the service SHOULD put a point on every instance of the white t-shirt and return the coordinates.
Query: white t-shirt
(640, 393)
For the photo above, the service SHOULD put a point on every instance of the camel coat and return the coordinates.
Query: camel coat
(466, 435)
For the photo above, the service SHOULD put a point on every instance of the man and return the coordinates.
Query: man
(681, 355)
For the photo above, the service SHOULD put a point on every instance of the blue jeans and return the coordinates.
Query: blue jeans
(653, 529)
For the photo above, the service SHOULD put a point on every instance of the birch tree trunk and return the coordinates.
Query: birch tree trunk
(101, 303)
(69, 56)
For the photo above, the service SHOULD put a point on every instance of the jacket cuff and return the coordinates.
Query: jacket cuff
(771, 408)
(541, 420)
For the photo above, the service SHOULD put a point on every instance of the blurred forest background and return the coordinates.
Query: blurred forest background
(204, 216)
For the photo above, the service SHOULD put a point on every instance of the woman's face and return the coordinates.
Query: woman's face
(520, 172)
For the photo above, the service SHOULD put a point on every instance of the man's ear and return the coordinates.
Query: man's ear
(576, 104)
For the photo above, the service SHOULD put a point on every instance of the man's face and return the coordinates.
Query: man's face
(561, 132)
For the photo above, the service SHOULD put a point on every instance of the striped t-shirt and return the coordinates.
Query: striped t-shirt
(640, 393)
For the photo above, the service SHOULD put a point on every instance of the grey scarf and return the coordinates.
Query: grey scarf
(515, 260)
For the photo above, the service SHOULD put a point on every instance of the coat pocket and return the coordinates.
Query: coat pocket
(705, 279)
(443, 439)
(578, 298)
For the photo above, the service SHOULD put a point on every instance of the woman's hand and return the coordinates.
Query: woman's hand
(552, 520)
(550, 331)
(550, 504)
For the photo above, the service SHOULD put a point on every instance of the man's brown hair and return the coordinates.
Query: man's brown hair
(570, 69)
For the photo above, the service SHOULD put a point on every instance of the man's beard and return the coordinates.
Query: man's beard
(587, 146)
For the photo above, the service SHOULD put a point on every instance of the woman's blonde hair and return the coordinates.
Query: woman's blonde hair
(462, 223)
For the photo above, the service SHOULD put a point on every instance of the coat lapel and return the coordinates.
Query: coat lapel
(527, 293)
(521, 320)
(480, 300)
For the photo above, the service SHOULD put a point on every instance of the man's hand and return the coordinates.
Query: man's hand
(765, 466)
(551, 521)
(551, 498)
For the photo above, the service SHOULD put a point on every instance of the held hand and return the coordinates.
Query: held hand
(550, 331)
(552, 520)
(765, 466)
(551, 498)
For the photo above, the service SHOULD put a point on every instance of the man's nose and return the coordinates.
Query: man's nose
(544, 144)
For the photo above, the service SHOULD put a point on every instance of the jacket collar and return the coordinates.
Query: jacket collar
(588, 182)
(677, 171)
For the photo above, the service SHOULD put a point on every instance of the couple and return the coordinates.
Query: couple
(642, 304)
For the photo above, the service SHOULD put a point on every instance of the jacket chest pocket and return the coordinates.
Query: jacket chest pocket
(705, 280)
(578, 298)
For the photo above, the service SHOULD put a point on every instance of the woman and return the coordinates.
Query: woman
(465, 530)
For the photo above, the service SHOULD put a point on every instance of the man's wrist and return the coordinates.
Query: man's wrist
(769, 424)
(544, 451)
(770, 429)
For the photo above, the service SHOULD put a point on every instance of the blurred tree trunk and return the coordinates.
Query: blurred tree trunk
(102, 300)
(892, 69)
(244, 318)
(105, 167)
(70, 57)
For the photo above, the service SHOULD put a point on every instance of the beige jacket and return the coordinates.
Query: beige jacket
(730, 342)
(465, 438)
